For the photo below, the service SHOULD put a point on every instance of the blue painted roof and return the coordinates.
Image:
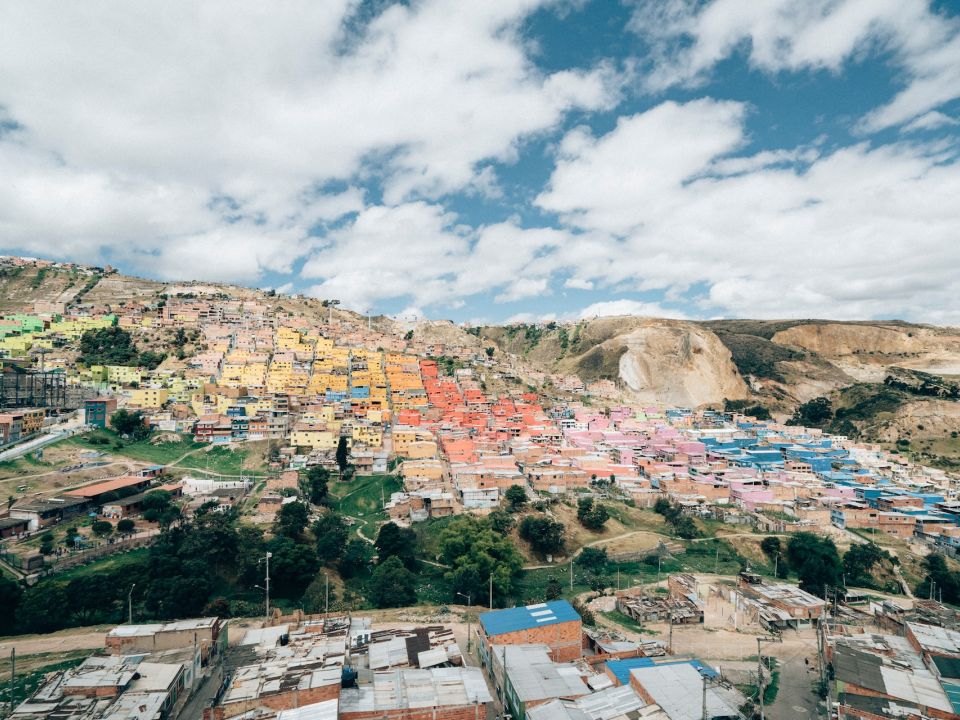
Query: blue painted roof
(621, 668)
(497, 622)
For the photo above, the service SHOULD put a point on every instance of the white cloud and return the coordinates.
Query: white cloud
(930, 121)
(135, 119)
(612, 308)
(690, 38)
(859, 232)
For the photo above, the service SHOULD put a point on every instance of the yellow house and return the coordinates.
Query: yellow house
(367, 435)
(313, 437)
(149, 397)
(123, 374)
(404, 437)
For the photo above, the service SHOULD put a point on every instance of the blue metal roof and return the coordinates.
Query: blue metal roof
(498, 622)
(621, 668)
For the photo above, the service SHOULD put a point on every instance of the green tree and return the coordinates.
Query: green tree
(319, 595)
(342, 454)
(815, 413)
(150, 360)
(476, 553)
(816, 563)
(771, 547)
(392, 585)
(130, 423)
(291, 520)
(501, 522)
(859, 562)
(593, 559)
(945, 584)
(107, 346)
(395, 541)
(592, 515)
(331, 533)
(101, 528)
(10, 596)
(46, 543)
(544, 535)
(314, 485)
(292, 566)
(516, 497)
(44, 608)
(126, 526)
(356, 558)
(554, 589)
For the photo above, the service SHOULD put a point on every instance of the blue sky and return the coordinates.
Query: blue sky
(498, 161)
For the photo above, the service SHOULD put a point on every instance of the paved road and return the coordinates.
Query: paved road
(201, 698)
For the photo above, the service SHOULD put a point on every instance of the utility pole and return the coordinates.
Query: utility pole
(491, 592)
(330, 304)
(130, 605)
(670, 642)
(267, 588)
(716, 571)
(571, 574)
(326, 594)
(469, 605)
(760, 670)
(618, 578)
(13, 678)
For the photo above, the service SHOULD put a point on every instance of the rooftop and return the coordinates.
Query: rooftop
(497, 622)
(410, 688)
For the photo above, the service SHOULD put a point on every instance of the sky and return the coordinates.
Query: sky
(497, 161)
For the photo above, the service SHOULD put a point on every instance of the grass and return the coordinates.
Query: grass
(770, 689)
(360, 499)
(626, 621)
(142, 450)
(119, 561)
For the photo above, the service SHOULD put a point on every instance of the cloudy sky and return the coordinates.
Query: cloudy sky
(504, 159)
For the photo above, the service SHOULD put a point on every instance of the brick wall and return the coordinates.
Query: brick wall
(564, 639)
(280, 701)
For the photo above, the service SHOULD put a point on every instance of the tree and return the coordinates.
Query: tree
(859, 561)
(342, 454)
(592, 516)
(815, 413)
(544, 535)
(319, 595)
(292, 566)
(593, 559)
(331, 534)
(155, 504)
(816, 563)
(10, 595)
(101, 528)
(356, 558)
(516, 497)
(126, 526)
(44, 608)
(945, 584)
(554, 589)
(46, 543)
(395, 541)
(477, 554)
(131, 424)
(771, 547)
(107, 346)
(501, 522)
(314, 485)
(150, 360)
(392, 585)
(489, 352)
(291, 520)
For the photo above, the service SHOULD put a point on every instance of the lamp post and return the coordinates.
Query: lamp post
(330, 304)
(469, 604)
(130, 605)
(266, 589)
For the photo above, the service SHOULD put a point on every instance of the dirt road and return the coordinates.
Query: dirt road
(89, 638)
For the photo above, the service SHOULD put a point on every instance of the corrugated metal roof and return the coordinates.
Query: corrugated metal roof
(498, 622)
(326, 710)
(621, 668)
(678, 689)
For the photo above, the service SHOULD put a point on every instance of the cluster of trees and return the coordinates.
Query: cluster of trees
(130, 424)
(683, 525)
(814, 413)
(544, 535)
(939, 582)
(115, 346)
(516, 498)
(475, 552)
(592, 515)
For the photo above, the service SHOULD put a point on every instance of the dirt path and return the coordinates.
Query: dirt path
(595, 543)
(63, 641)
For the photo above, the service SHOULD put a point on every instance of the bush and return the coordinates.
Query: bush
(544, 535)
(126, 526)
(101, 528)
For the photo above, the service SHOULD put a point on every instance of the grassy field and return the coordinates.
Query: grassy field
(225, 460)
(130, 558)
(361, 498)
(142, 450)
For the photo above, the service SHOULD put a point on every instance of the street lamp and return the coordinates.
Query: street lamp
(130, 605)
(469, 603)
(266, 589)
(330, 304)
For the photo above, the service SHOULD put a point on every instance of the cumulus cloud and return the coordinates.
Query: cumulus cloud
(858, 232)
(689, 38)
(186, 129)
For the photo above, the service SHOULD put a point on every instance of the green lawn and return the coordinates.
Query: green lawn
(361, 499)
(119, 561)
(142, 450)
(221, 460)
